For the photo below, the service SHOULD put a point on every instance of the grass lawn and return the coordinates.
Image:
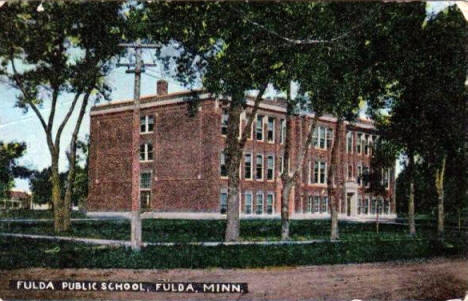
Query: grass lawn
(35, 214)
(359, 243)
(213, 230)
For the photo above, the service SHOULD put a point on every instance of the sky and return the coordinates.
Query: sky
(16, 125)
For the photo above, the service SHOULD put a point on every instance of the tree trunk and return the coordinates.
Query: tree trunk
(233, 154)
(411, 221)
(439, 183)
(59, 210)
(72, 164)
(332, 197)
(286, 190)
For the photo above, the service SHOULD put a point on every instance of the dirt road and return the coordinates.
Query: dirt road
(436, 279)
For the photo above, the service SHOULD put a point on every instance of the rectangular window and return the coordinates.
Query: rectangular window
(365, 176)
(359, 143)
(320, 172)
(270, 167)
(259, 167)
(222, 167)
(366, 205)
(315, 136)
(248, 166)
(146, 124)
(224, 122)
(270, 203)
(350, 171)
(359, 175)
(248, 203)
(309, 204)
(316, 207)
(145, 180)
(282, 131)
(360, 205)
(386, 207)
(146, 152)
(223, 202)
(145, 199)
(259, 203)
(281, 165)
(322, 132)
(349, 142)
(366, 145)
(259, 128)
(324, 205)
(329, 138)
(373, 206)
(271, 129)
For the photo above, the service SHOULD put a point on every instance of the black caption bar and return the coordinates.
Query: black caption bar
(127, 286)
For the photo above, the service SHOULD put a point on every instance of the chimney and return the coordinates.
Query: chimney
(161, 87)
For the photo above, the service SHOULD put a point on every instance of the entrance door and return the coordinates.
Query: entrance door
(348, 204)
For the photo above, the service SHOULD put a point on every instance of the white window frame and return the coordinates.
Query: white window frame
(349, 146)
(282, 131)
(272, 169)
(224, 121)
(256, 167)
(146, 124)
(223, 192)
(259, 193)
(272, 195)
(248, 193)
(245, 163)
(146, 152)
(221, 159)
(272, 130)
(262, 127)
(150, 172)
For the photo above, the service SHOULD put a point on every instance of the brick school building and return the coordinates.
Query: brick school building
(182, 165)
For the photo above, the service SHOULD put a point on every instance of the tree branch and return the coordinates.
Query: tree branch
(67, 117)
(251, 115)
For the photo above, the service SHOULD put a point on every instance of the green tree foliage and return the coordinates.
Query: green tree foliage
(67, 49)
(9, 167)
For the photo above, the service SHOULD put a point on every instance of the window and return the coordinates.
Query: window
(259, 167)
(146, 152)
(359, 143)
(146, 124)
(222, 163)
(359, 174)
(282, 131)
(360, 205)
(145, 180)
(324, 205)
(270, 203)
(366, 145)
(386, 207)
(270, 167)
(322, 132)
(320, 172)
(259, 128)
(386, 177)
(248, 203)
(281, 168)
(373, 206)
(259, 203)
(350, 171)
(316, 206)
(248, 166)
(349, 142)
(315, 136)
(145, 199)
(224, 122)
(329, 138)
(309, 204)
(223, 202)
(365, 176)
(271, 129)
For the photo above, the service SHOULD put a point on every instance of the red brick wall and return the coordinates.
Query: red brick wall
(185, 169)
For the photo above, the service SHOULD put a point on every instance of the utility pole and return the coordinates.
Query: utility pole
(135, 232)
